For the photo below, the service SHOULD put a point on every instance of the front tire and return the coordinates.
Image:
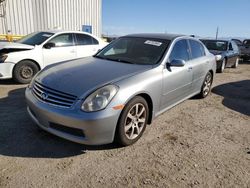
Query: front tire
(223, 65)
(132, 122)
(206, 86)
(24, 71)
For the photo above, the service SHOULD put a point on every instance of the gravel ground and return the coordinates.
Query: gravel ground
(199, 143)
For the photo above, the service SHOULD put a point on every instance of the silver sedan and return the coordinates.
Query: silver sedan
(116, 93)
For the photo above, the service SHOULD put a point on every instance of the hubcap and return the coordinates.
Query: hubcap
(223, 65)
(26, 72)
(135, 121)
(237, 62)
(207, 85)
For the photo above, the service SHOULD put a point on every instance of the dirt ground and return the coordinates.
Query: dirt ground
(199, 143)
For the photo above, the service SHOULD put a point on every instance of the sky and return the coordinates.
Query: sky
(197, 17)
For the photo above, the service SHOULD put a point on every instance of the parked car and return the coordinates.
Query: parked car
(116, 93)
(245, 50)
(226, 50)
(23, 59)
(238, 42)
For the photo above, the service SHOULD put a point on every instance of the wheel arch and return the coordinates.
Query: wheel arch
(212, 72)
(149, 101)
(150, 106)
(226, 59)
(32, 60)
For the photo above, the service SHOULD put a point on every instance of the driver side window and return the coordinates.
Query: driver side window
(62, 40)
(180, 51)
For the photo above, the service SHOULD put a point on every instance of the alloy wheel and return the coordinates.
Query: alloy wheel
(135, 121)
(223, 65)
(207, 84)
(236, 63)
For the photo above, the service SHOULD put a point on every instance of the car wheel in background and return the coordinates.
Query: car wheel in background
(223, 65)
(24, 71)
(132, 122)
(236, 63)
(206, 86)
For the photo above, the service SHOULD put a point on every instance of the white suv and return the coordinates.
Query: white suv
(23, 59)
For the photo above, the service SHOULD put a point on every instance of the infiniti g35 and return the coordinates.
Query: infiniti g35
(113, 95)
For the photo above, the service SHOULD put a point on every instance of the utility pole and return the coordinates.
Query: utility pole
(217, 32)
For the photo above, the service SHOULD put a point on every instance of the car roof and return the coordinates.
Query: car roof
(65, 31)
(224, 40)
(156, 35)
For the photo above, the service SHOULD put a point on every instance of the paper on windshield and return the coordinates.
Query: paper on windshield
(46, 35)
(154, 43)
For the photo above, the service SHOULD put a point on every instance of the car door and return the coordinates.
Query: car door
(59, 48)
(199, 63)
(231, 57)
(86, 45)
(236, 51)
(177, 81)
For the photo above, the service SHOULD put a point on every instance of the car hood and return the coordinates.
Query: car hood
(216, 52)
(82, 76)
(14, 45)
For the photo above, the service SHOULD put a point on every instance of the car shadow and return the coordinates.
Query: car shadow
(20, 137)
(8, 82)
(245, 62)
(236, 95)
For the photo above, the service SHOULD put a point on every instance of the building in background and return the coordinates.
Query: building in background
(26, 16)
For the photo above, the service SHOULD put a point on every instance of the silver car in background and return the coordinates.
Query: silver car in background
(116, 93)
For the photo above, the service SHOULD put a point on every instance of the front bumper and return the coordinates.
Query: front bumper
(6, 70)
(96, 127)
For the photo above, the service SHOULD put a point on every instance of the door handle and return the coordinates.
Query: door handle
(72, 51)
(189, 69)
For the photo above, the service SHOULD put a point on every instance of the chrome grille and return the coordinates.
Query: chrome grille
(52, 96)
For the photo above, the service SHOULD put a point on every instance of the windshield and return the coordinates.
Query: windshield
(215, 45)
(135, 50)
(35, 38)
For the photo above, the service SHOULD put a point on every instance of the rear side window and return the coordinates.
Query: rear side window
(180, 51)
(82, 39)
(197, 49)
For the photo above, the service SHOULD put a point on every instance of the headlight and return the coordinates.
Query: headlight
(3, 58)
(218, 57)
(99, 99)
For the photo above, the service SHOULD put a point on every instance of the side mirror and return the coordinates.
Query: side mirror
(49, 45)
(177, 63)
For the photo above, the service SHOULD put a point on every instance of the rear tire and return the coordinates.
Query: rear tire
(206, 86)
(236, 63)
(132, 122)
(24, 71)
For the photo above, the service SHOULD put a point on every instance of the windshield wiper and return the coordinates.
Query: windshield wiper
(123, 61)
(116, 59)
(100, 57)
